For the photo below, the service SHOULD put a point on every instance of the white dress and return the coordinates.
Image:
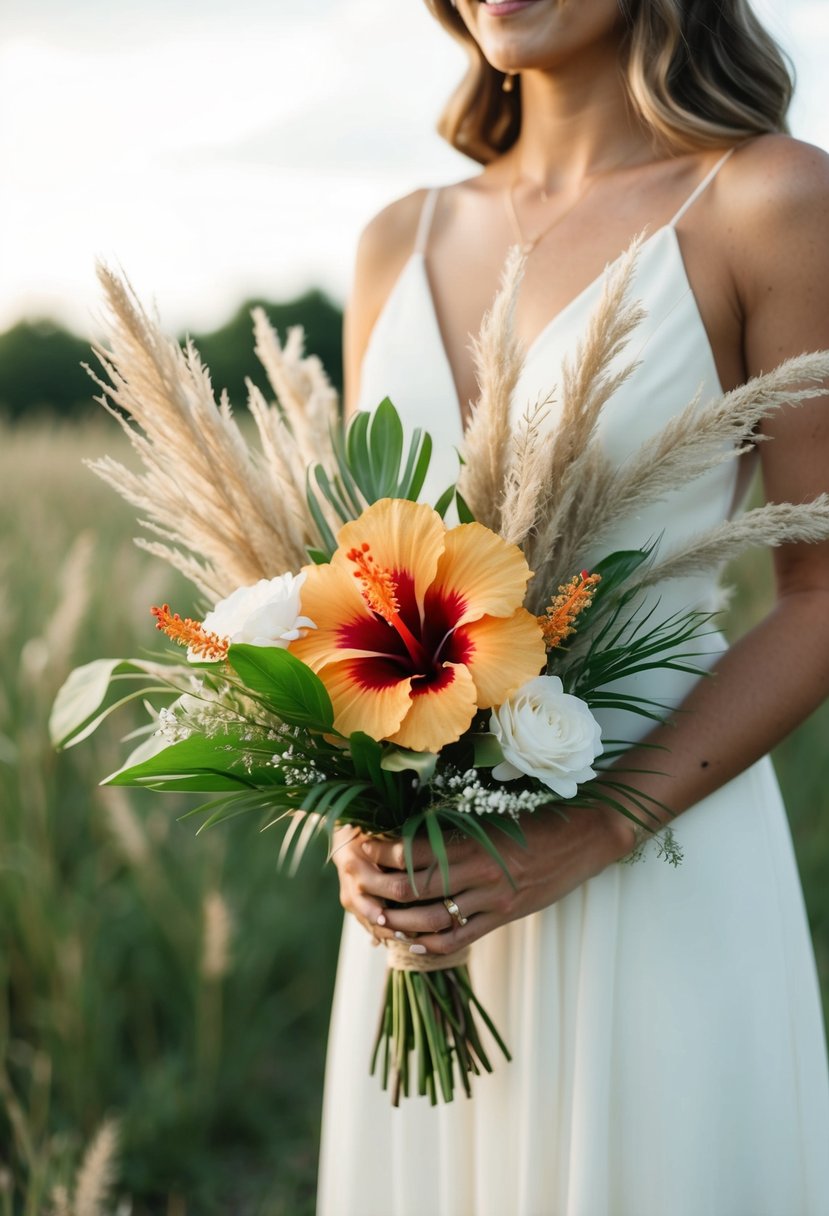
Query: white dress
(668, 1050)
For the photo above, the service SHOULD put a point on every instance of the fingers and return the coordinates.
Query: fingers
(395, 886)
(352, 869)
(434, 917)
(459, 937)
(391, 854)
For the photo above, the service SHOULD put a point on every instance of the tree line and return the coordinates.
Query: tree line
(41, 362)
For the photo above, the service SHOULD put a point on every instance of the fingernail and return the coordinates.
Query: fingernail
(401, 937)
(381, 920)
(417, 949)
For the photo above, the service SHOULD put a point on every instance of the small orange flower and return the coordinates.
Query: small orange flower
(200, 642)
(559, 619)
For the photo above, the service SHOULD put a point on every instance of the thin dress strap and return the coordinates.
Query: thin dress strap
(704, 184)
(425, 222)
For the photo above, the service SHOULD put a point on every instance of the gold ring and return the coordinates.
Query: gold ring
(454, 911)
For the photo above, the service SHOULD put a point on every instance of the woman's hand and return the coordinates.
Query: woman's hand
(557, 857)
(357, 875)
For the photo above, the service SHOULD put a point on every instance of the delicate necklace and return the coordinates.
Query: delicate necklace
(528, 243)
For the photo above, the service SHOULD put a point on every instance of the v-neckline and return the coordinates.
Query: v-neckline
(418, 257)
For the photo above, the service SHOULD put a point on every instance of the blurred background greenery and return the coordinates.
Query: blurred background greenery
(171, 983)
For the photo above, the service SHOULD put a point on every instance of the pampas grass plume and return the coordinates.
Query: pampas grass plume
(97, 1172)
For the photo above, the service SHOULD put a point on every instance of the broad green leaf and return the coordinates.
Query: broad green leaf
(487, 751)
(203, 764)
(288, 685)
(401, 760)
(385, 437)
(85, 690)
(367, 754)
(198, 783)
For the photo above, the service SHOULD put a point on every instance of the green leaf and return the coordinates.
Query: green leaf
(438, 848)
(401, 760)
(349, 485)
(326, 536)
(445, 501)
(318, 557)
(85, 690)
(196, 763)
(417, 466)
(331, 490)
(367, 755)
(617, 567)
(487, 751)
(369, 461)
(385, 438)
(285, 683)
(356, 447)
(464, 513)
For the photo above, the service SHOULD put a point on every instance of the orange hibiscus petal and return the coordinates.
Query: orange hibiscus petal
(504, 655)
(402, 536)
(479, 574)
(331, 598)
(439, 712)
(367, 695)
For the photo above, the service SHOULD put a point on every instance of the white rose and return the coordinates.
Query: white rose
(546, 733)
(266, 614)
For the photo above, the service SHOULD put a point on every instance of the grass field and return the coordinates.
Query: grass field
(168, 983)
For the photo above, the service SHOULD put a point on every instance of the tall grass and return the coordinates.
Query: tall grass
(175, 983)
(173, 987)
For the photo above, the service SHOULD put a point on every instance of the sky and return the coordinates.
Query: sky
(217, 151)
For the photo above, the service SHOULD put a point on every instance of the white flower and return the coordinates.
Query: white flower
(546, 733)
(266, 614)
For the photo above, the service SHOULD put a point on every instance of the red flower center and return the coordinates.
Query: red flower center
(395, 632)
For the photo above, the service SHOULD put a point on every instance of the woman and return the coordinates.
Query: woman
(665, 1024)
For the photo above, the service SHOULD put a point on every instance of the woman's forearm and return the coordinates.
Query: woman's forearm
(761, 688)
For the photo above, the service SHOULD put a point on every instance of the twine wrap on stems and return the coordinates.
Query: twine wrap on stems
(401, 958)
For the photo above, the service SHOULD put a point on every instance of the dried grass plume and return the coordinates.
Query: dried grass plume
(224, 513)
(97, 1173)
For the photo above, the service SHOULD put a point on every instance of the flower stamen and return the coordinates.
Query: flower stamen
(187, 632)
(380, 594)
(559, 619)
(378, 587)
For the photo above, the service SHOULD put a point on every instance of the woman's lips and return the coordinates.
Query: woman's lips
(505, 7)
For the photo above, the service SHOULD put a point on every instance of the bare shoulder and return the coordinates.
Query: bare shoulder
(773, 216)
(775, 181)
(387, 241)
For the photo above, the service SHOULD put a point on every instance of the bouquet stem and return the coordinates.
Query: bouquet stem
(428, 1039)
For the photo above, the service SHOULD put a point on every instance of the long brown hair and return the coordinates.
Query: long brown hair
(699, 73)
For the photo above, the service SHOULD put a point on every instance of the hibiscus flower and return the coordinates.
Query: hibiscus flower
(418, 626)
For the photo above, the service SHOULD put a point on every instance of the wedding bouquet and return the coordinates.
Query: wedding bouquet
(365, 664)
